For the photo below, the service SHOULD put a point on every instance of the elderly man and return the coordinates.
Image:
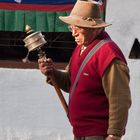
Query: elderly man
(97, 77)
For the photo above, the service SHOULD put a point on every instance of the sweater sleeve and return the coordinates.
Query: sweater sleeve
(116, 85)
(62, 78)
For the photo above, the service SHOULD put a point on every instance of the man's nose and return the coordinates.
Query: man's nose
(74, 33)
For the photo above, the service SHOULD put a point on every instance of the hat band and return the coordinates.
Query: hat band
(88, 19)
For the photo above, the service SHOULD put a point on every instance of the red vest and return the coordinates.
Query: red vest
(88, 108)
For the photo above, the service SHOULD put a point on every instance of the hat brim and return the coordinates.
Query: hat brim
(78, 21)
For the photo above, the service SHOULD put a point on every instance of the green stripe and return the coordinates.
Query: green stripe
(39, 21)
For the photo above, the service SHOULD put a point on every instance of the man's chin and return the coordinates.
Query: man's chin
(78, 43)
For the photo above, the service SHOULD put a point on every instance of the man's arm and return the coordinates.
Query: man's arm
(116, 85)
(62, 78)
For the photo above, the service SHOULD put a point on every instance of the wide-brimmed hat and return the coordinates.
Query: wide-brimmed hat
(85, 13)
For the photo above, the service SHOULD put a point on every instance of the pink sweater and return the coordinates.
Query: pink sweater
(88, 108)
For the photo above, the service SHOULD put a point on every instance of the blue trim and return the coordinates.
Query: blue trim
(42, 1)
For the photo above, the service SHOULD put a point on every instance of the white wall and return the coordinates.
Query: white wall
(31, 110)
(125, 17)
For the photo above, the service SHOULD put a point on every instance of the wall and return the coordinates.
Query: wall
(30, 109)
(125, 19)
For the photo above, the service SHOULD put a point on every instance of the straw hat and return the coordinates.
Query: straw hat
(85, 13)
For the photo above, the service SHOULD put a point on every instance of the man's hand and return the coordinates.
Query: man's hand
(46, 66)
(111, 137)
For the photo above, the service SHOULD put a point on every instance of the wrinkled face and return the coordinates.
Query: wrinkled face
(83, 35)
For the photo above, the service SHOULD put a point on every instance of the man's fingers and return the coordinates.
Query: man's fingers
(40, 60)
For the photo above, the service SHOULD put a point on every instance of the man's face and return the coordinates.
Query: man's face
(82, 35)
